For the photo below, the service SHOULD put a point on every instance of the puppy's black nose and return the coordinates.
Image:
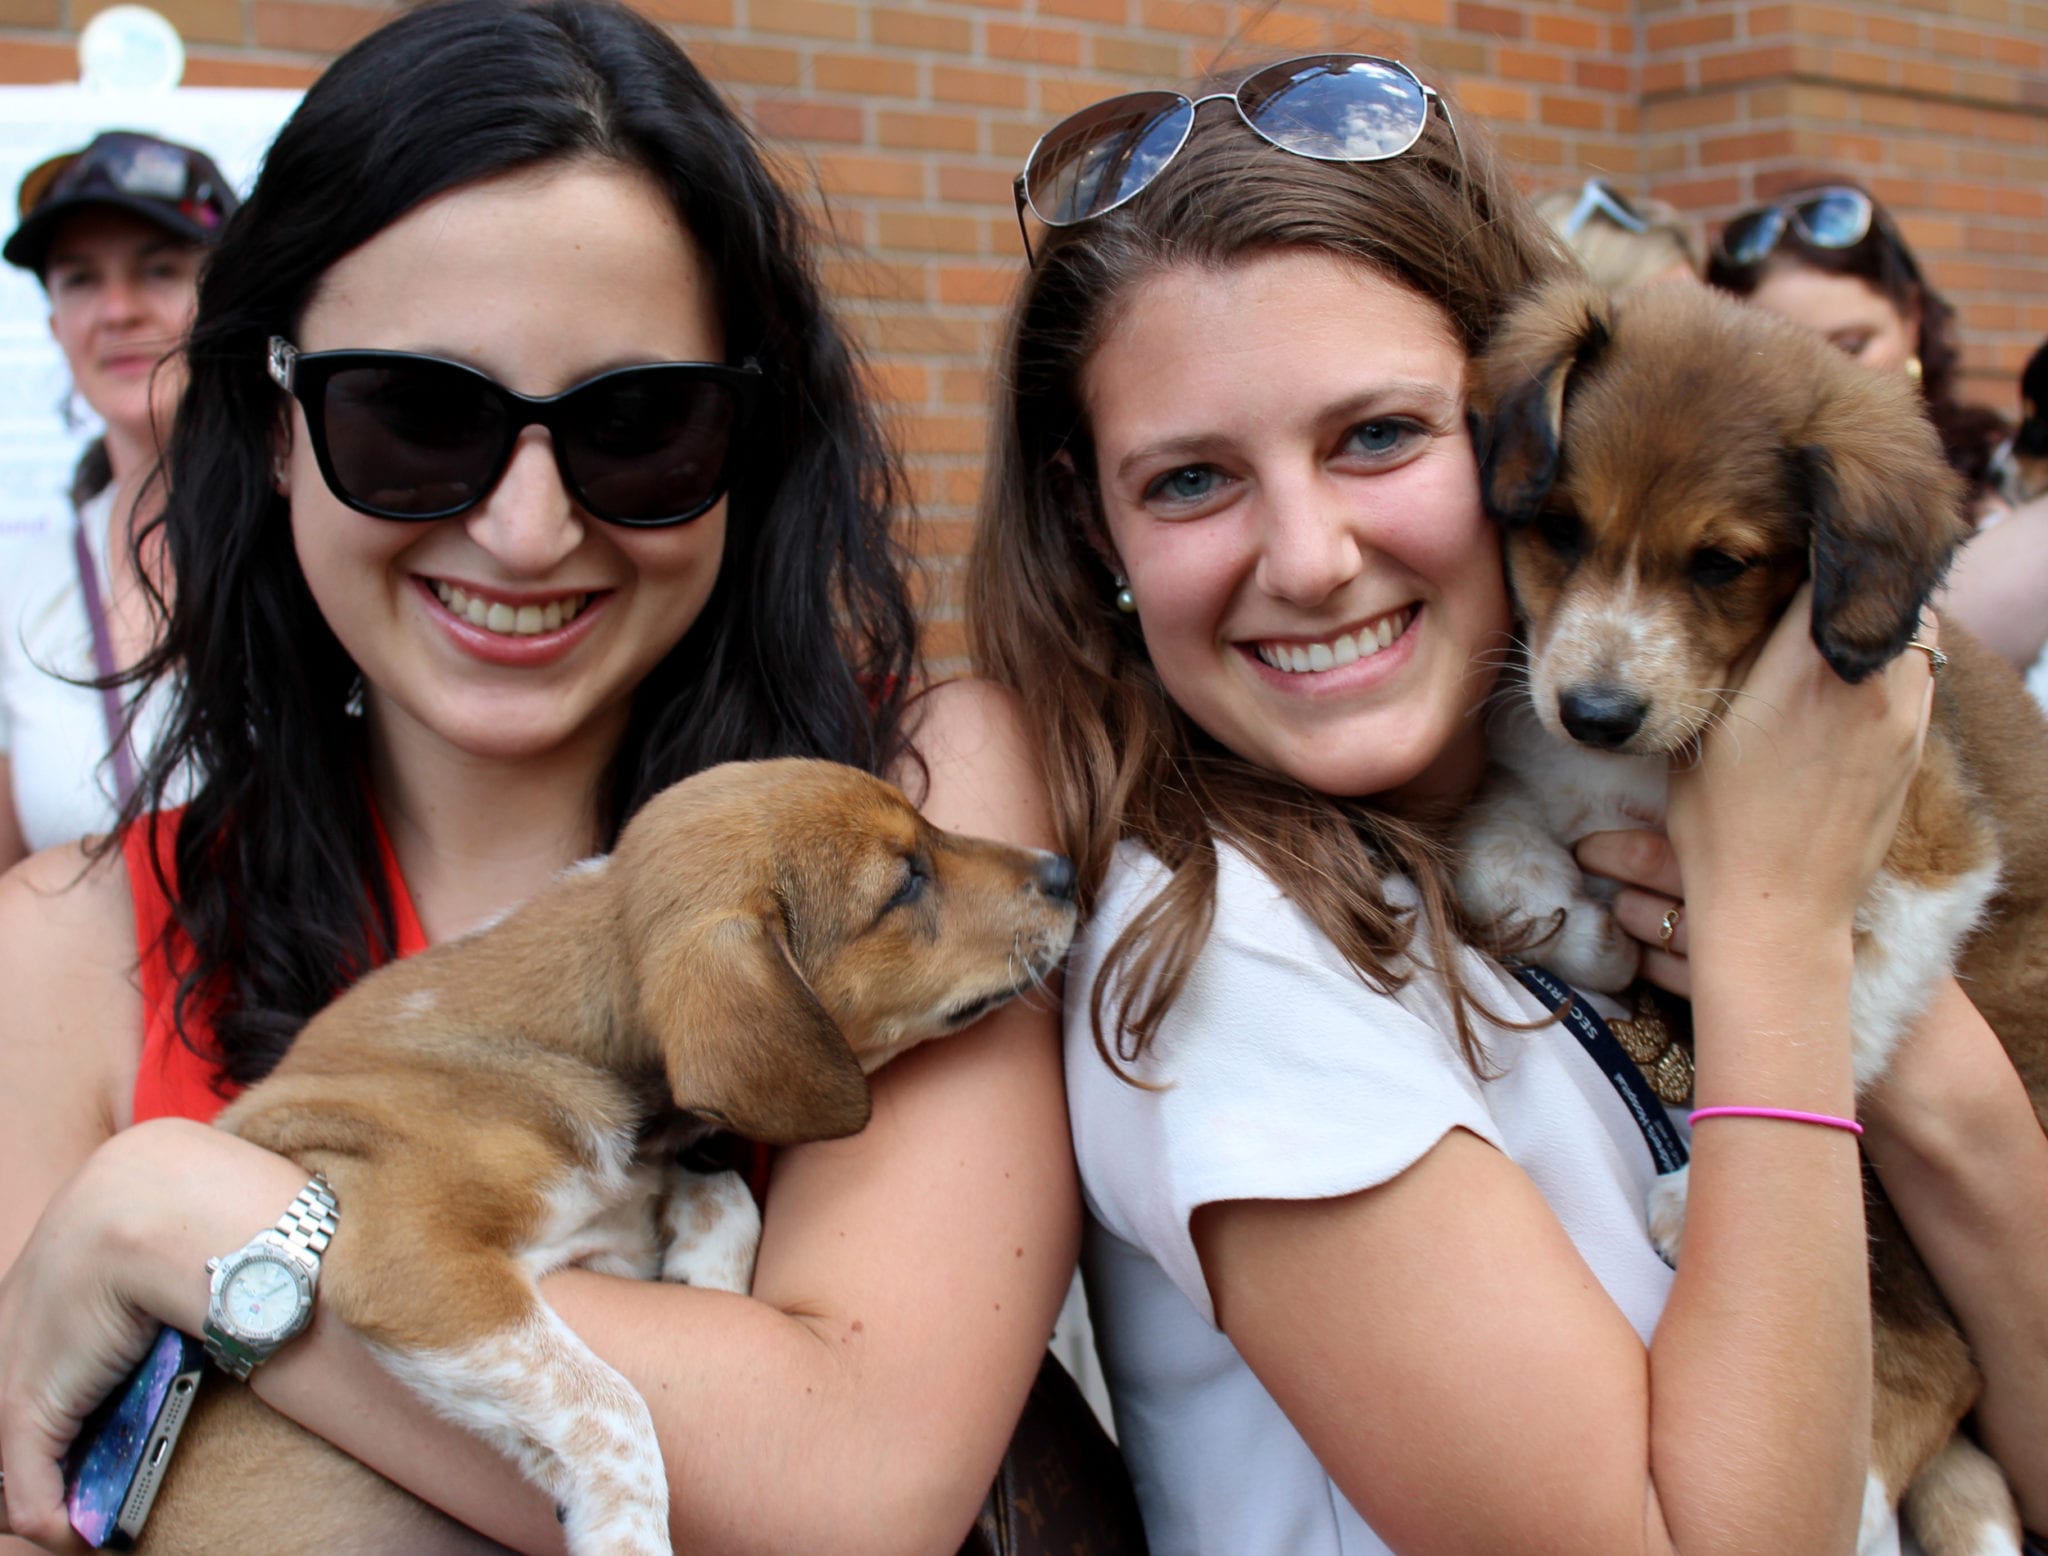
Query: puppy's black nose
(1601, 716)
(1056, 878)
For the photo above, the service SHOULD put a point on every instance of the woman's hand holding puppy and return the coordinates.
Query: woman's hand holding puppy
(1786, 814)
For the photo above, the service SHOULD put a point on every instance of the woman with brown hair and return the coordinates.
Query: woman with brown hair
(1832, 259)
(1367, 1255)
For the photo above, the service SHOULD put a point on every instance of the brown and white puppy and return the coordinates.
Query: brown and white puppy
(763, 936)
(1668, 468)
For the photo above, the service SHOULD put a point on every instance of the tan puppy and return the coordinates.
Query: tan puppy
(1669, 467)
(764, 935)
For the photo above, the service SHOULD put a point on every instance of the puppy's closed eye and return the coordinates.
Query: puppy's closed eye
(1564, 534)
(1711, 568)
(910, 886)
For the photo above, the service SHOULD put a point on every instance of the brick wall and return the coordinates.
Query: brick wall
(909, 118)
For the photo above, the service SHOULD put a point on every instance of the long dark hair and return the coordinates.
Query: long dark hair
(805, 646)
(1122, 759)
(1970, 434)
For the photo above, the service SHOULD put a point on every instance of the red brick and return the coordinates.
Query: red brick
(37, 64)
(1039, 45)
(724, 61)
(869, 75)
(920, 30)
(1747, 65)
(980, 88)
(1473, 16)
(197, 21)
(875, 280)
(1565, 32)
(1690, 32)
(689, 13)
(34, 13)
(1490, 101)
(201, 70)
(805, 18)
(1602, 76)
(981, 285)
(793, 119)
(1532, 65)
(1191, 18)
(1136, 57)
(976, 185)
(314, 28)
(928, 131)
(1573, 113)
(922, 233)
(1113, 13)
(888, 178)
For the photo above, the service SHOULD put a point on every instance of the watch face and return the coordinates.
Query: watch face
(261, 1298)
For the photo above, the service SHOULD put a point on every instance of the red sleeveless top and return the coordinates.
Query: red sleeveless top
(174, 1079)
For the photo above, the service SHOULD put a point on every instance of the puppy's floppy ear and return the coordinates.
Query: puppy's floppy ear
(743, 1038)
(1887, 514)
(1518, 432)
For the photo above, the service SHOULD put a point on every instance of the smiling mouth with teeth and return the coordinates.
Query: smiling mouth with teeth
(1302, 658)
(512, 621)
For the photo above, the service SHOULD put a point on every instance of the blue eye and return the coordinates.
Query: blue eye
(1190, 483)
(1379, 437)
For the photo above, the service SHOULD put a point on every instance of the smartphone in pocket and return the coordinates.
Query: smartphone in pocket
(117, 1463)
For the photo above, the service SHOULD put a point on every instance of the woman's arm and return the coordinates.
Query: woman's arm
(1963, 1158)
(906, 1288)
(1998, 587)
(1962, 1155)
(1447, 1353)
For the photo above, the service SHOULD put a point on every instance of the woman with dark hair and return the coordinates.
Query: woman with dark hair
(1832, 259)
(115, 232)
(1368, 1256)
(435, 640)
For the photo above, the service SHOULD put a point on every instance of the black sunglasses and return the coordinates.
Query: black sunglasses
(1327, 107)
(1832, 218)
(415, 438)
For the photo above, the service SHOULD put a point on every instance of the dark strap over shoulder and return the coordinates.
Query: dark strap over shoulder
(103, 662)
(1667, 1150)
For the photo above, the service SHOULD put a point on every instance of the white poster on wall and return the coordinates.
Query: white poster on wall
(43, 426)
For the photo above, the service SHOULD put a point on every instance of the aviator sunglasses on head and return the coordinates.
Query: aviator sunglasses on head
(1835, 217)
(1328, 107)
(1599, 198)
(400, 436)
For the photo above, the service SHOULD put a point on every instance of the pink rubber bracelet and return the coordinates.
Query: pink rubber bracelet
(1791, 1114)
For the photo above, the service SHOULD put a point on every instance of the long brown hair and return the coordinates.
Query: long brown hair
(1970, 434)
(1122, 760)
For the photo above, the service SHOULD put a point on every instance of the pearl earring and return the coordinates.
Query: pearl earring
(1913, 368)
(1126, 601)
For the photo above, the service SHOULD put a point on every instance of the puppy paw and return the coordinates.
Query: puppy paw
(1667, 1212)
(1592, 951)
(713, 1227)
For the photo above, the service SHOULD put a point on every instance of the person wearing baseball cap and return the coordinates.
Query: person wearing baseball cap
(116, 233)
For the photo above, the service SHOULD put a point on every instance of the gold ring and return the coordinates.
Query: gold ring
(1937, 661)
(1669, 927)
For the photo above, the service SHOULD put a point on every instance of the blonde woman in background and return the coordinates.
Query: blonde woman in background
(115, 232)
(1621, 241)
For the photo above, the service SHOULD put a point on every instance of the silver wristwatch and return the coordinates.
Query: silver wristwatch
(261, 1295)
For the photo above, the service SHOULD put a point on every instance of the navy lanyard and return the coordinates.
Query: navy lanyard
(1667, 1150)
(103, 658)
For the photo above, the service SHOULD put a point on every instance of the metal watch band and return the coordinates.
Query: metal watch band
(309, 1221)
(305, 1229)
